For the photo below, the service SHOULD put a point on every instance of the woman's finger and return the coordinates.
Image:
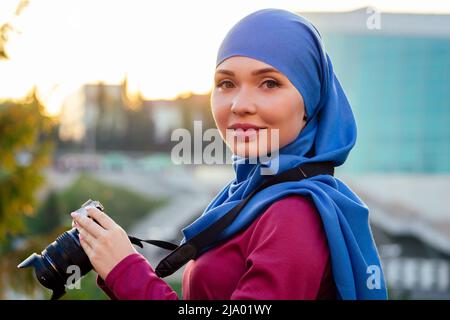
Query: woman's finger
(86, 247)
(101, 217)
(86, 237)
(90, 225)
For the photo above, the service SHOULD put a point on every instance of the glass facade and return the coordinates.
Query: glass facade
(399, 89)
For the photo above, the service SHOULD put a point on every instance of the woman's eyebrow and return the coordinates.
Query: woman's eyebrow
(254, 73)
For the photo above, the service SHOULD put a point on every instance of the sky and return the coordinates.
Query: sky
(164, 48)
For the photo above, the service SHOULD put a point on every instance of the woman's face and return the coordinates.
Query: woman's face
(249, 101)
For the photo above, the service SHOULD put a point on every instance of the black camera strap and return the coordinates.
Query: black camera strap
(180, 255)
(159, 243)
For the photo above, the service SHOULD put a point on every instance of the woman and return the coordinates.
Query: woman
(307, 239)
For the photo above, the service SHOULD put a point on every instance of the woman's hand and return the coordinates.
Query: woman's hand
(105, 243)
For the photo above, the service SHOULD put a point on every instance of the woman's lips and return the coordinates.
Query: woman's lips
(244, 126)
(245, 131)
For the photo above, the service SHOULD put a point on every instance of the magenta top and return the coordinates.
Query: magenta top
(283, 254)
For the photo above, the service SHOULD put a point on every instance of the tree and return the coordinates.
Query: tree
(25, 150)
(7, 27)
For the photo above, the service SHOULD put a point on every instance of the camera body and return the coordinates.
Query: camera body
(52, 264)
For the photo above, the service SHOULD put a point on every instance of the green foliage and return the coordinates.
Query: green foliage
(25, 149)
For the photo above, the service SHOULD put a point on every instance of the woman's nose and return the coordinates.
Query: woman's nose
(243, 104)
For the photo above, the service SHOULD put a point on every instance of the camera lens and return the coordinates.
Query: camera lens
(52, 265)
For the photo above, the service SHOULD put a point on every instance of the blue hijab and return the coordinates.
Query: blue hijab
(292, 45)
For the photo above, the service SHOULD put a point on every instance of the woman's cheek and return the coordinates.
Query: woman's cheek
(221, 118)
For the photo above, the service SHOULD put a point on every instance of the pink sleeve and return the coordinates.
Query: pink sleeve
(133, 278)
(287, 253)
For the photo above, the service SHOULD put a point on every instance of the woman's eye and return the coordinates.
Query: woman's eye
(271, 84)
(229, 84)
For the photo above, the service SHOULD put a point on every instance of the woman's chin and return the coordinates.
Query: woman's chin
(250, 149)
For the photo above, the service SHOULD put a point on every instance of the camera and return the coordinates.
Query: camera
(51, 266)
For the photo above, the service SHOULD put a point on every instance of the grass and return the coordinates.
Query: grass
(88, 290)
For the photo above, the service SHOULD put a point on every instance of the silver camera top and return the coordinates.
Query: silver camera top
(89, 203)
(93, 203)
